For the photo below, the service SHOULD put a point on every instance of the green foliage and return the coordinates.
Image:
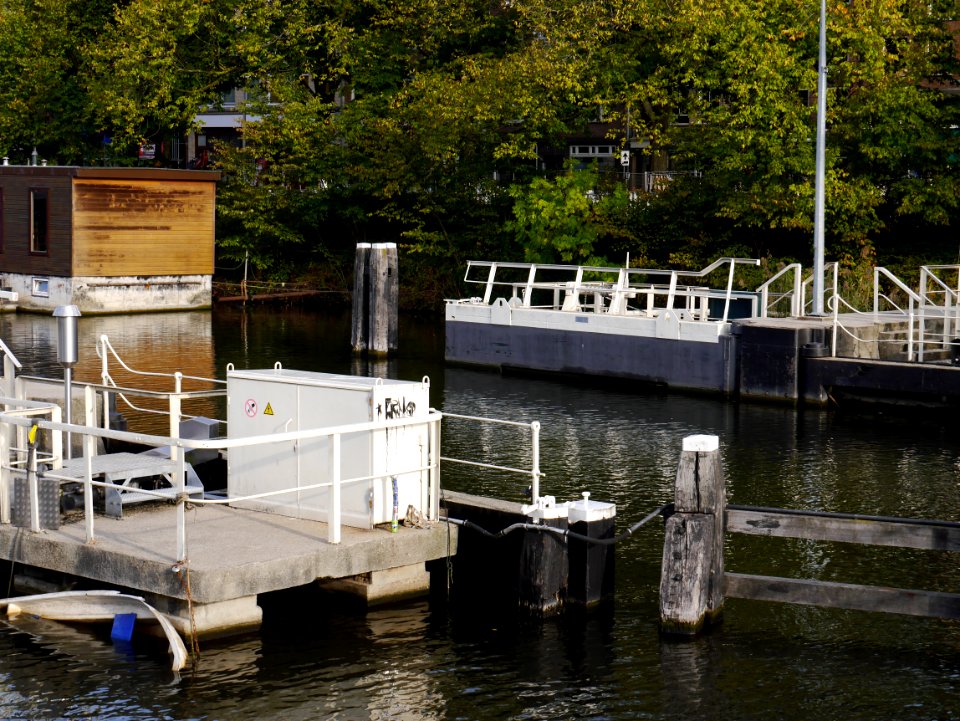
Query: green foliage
(561, 219)
(425, 121)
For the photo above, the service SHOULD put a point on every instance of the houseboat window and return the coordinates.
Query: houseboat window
(39, 220)
(41, 287)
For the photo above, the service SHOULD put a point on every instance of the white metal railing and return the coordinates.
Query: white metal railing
(175, 398)
(23, 417)
(945, 298)
(616, 291)
(914, 302)
(932, 315)
(534, 472)
(335, 483)
(794, 295)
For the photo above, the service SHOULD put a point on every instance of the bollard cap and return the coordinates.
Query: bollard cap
(66, 311)
(587, 510)
(701, 444)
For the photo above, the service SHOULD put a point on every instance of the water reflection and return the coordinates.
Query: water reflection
(414, 661)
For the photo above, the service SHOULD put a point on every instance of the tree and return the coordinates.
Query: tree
(561, 219)
(42, 101)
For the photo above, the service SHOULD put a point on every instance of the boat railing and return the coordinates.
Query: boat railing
(26, 417)
(616, 291)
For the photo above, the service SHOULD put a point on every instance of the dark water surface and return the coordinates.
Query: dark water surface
(415, 661)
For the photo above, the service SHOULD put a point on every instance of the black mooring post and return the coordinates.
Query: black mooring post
(591, 564)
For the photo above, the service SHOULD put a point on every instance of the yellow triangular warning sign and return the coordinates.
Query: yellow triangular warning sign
(268, 411)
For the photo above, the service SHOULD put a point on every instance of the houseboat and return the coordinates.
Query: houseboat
(106, 239)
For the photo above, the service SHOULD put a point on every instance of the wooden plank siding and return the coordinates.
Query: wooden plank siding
(15, 256)
(138, 227)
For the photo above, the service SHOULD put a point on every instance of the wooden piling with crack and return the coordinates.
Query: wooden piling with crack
(692, 572)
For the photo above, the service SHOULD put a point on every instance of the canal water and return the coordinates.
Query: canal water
(423, 661)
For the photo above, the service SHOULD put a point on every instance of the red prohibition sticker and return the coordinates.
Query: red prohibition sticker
(250, 407)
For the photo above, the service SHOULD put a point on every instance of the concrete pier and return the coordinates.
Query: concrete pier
(234, 555)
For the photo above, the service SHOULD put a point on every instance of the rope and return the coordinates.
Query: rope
(182, 569)
(665, 510)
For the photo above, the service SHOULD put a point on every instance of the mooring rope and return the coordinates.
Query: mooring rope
(664, 510)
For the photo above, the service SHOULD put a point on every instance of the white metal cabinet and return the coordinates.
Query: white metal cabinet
(266, 402)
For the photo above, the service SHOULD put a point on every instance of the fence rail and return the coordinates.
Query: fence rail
(694, 580)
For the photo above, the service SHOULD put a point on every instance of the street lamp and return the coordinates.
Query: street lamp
(67, 356)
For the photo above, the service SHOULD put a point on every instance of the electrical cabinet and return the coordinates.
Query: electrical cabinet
(277, 400)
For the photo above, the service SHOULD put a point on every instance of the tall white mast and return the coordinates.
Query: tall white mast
(821, 143)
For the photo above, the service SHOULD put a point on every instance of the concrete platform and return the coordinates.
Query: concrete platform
(234, 555)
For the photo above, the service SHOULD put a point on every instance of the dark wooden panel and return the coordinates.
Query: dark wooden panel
(843, 595)
(16, 256)
(844, 528)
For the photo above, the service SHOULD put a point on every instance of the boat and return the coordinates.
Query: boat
(95, 607)
(657, 326)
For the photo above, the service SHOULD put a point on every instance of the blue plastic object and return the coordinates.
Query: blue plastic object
(123, 626)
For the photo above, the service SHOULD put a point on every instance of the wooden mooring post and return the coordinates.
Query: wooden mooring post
(691, 577)
(375, 298)
(694, 581)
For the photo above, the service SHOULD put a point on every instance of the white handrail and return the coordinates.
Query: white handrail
(607, 288)
(335, 482)
(796, 299)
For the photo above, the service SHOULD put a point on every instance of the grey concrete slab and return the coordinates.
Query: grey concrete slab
(232, 553)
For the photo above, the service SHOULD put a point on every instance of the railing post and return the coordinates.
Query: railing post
(911, 326)
(32, 483)
(180, 484)
(836, 313)
(535, 452)
(333, 512)
(89, 451)
(692, 571)
(876, 294)
(797, 302)
(104, 381)
(56, 439)
(434, 464)
(5, 443)
(488, 290)
(175, 408)
(726, 300)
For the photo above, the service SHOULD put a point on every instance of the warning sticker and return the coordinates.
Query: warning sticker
(268, 411)
(250, 407)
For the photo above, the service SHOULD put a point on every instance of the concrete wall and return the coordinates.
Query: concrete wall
(111, 295)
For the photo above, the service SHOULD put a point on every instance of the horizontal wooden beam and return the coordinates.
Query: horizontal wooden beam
(843, 595)
(844, 528)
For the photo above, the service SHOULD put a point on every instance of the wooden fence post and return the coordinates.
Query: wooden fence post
(691, 576)
(359, 318)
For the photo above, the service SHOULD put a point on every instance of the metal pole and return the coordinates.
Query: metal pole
(535, 452)
(818, 249)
